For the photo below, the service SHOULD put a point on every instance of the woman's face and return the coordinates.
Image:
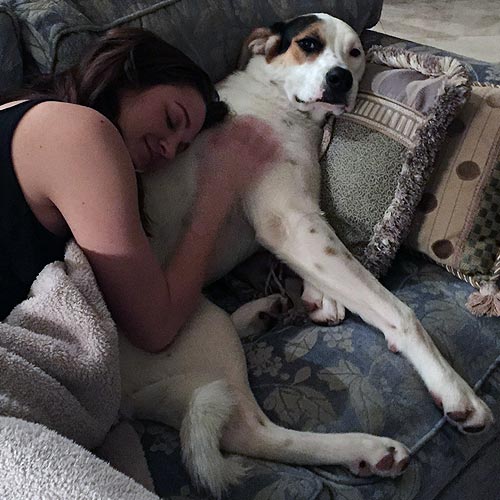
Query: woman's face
(160, 122)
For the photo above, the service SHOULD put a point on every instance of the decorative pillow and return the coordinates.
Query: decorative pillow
(376, 160)
(457, 222)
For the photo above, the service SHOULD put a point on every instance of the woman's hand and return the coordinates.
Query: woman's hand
(238, 153)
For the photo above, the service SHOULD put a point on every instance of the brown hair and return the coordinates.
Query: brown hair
(124, 58)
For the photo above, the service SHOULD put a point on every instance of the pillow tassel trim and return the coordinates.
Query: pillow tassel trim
(393, 228)
(486, 301)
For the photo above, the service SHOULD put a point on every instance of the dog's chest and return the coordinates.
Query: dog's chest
(298, 133)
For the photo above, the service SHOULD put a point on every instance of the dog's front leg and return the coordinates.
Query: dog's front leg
(304, 240)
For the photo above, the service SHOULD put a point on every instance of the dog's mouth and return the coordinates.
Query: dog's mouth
(326, 98)
(336, 105)
(330, 97)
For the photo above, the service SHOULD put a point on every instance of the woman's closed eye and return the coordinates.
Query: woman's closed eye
(170, 122)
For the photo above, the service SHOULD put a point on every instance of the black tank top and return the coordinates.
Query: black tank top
(26, 246)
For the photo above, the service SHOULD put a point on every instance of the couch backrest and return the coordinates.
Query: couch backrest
(210, 31)
(11, 63)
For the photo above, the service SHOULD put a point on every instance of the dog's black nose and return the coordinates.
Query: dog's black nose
(339, 79)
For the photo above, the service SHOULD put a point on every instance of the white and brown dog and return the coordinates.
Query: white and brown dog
(298, 71)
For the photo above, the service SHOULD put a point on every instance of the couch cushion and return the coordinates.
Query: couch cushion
(56, 33)
(11, 63)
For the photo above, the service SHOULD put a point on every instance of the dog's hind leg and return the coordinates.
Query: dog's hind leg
(249, 432)
(303, 239)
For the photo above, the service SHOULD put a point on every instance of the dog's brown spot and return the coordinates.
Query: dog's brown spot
(275, 228)
(312, 230)
(330, 251)
(295, 55)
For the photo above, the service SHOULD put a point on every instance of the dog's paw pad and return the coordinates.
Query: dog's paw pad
(463, 408)
(382, 457)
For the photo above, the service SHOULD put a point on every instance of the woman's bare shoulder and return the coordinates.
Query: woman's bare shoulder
(61, 131)
(63, 150)
(50, 117)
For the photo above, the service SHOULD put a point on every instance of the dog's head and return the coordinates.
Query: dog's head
(317, 58)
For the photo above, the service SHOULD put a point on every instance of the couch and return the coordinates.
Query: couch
(307, 377)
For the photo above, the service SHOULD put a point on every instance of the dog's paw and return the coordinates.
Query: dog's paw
(462, 407)
(322, 309)
(260, 315)
(381, 457)
(330, 312)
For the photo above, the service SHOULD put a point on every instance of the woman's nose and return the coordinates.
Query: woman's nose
(168, 148)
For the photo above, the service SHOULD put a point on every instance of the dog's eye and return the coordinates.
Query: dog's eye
(310, 45)
(355, 53)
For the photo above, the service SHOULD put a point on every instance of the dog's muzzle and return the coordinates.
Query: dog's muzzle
(338, 83)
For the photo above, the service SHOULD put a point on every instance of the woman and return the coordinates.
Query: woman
(70, 147)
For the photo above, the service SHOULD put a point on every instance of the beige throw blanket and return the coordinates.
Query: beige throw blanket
(59, 354)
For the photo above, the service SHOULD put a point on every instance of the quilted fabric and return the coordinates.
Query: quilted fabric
(210, 32)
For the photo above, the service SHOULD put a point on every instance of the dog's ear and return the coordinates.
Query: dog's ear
(263, 41)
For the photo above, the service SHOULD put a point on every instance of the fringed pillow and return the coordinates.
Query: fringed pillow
(376, 160)
(457, 223)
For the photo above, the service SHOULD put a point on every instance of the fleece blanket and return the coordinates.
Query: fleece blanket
(59, 362)
(37, 463)
(59, 367)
